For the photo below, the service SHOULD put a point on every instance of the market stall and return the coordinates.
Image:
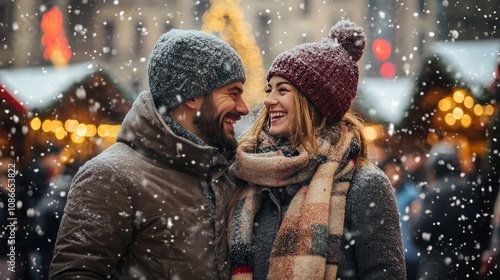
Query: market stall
(448, 100)
(77, 108)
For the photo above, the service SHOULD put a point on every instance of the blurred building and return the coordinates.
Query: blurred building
(123, 32)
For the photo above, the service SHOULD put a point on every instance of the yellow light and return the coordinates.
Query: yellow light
(218, 25)
(36, 123)
(478, 110)
(91, 130)
(115, 130)
(60, 133)
(432, 138)
(371, 133)
(47, 125)
(70, 125)
(449, 119)
(458, 113)
(103, 130)
(459, 96)
(65, 156)
(76, 138)
(466, 121)
(489, 110)
(445, 104)
(56, 124)
(81, 130)
(469, 102)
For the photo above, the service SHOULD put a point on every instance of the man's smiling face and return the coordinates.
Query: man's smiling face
(218, 114)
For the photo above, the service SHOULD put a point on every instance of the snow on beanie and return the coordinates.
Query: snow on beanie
(188, 63)
(325, 72)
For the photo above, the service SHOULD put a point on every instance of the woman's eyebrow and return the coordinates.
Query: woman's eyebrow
(280, 83)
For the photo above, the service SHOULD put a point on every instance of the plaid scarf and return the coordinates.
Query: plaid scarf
(307, 245)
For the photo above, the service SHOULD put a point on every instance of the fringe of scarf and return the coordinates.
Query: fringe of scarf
(307, 245)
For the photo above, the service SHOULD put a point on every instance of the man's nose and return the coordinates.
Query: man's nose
(241, 106)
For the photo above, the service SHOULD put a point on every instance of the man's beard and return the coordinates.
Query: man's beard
(212, 131)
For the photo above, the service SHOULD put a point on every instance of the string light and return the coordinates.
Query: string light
(460, 108)
(458, 113)
(449, 119)
(489, 110)
(446, 104)
(469, 102)
(60, 133)
(70, 125)
(466, 120)
(36, 123)
(373, 132)
(459, 96)
(77, 131)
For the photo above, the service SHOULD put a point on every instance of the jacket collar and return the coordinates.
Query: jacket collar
(145, 129)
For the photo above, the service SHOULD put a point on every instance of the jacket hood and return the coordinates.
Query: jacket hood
(145, 130)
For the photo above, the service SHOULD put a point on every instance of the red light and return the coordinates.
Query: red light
(53, 39)
(381, 48)
(388, 70)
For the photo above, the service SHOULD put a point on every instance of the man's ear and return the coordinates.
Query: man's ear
(194, 103)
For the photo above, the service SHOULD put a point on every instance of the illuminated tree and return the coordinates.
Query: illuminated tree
(226, 18)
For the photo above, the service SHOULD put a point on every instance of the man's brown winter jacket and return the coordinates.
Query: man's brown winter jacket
(152, 206)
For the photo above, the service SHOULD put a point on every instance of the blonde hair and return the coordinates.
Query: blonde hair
(356, 123)
(307, 124)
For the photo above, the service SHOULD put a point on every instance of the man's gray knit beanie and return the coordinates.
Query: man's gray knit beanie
(188, 63)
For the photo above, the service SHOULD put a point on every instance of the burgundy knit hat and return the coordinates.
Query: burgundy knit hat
(325, 72)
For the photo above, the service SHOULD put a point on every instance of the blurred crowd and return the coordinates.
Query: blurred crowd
(444, 215)
(450, 215)
(41, 193)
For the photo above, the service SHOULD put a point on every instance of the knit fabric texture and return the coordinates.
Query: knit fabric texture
(188, 63)
(307, 245)
(325, 72)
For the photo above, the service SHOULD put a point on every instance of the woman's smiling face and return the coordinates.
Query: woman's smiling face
(280, 105)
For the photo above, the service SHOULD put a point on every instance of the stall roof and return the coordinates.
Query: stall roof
(384, 100)
(467, 63)
(38, 87)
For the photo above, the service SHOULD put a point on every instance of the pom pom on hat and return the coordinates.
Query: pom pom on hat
(326, 72)
(188, 63)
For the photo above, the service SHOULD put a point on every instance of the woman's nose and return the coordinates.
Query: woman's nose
(270, 100)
